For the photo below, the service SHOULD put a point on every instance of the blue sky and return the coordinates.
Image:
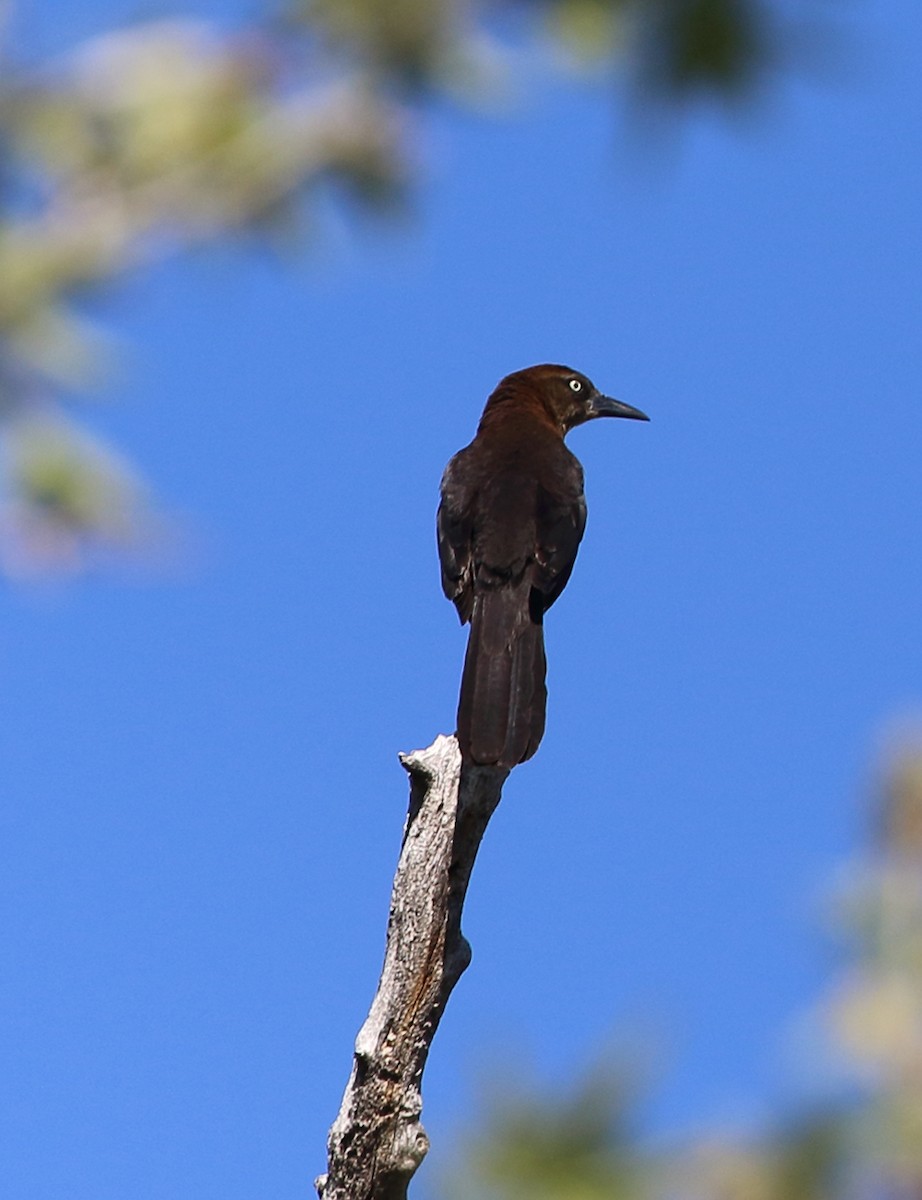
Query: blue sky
(203, 800)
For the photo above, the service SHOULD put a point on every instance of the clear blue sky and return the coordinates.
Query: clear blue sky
(202, 800)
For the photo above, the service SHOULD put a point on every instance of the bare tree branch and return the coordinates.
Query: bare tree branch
(377, 1141)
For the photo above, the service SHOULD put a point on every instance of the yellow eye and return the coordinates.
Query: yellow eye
(575, 385)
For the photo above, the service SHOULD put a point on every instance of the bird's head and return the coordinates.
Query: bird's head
(568, 397)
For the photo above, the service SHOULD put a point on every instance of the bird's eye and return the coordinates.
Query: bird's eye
(575, 385)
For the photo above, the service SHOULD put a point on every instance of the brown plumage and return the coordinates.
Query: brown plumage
(509, 526)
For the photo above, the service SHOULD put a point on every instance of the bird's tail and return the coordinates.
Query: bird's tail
(503, 695)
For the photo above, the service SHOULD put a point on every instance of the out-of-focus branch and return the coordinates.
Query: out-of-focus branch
(141, 144)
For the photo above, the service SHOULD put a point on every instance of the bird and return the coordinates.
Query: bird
(510, 520)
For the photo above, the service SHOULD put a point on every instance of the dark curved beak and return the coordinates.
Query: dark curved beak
(605, 406)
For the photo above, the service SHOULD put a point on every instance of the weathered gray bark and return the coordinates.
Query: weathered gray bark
(377, 1141)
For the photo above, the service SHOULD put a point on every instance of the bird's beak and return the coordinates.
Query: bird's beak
(605, 406)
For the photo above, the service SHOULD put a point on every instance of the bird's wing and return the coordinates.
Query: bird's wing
(559, 530)
(454, 527)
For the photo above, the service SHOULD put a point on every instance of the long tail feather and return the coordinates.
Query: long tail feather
(501, 708)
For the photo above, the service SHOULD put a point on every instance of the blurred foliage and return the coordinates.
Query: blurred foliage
(67, 497)
(719, 44)
(863, 1143)
(539, 1148)
(167, 134)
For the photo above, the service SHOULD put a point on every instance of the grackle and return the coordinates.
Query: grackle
(511, 518)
